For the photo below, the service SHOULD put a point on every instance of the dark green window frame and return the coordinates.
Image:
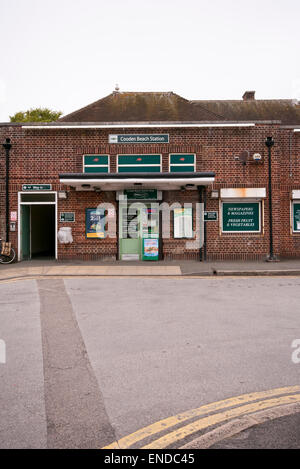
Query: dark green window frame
(139, 163)
(95, 163)
(182, 162)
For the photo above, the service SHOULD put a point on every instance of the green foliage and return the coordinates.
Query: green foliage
(36, 115)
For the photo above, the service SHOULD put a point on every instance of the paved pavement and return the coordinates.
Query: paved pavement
(51, 268)
(90, 361)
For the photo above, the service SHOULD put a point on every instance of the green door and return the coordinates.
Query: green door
(25, 231)
(137, 222)
(129, 233)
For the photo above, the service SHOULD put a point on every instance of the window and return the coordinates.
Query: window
(181, 163)
(95, 163)
(296, 216)
(38, 197)
(183, 222)
(139, 164)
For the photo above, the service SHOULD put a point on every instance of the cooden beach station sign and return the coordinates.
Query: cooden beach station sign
(138, 138)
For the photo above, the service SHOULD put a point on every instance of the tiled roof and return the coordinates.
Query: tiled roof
(285, 110)
(145, 107)
(170, 107)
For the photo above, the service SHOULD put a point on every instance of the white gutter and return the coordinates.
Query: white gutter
(135, 126)
(296, 130)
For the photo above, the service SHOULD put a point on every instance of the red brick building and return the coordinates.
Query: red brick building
(156, 149)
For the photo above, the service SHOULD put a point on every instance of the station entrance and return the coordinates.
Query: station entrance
(37, 225)
(139, 231)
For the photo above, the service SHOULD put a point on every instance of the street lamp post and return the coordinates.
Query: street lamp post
(7, 147)
(269, 144)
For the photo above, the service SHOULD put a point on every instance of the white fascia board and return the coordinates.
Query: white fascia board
(139, 180)
(296, 130)
(245, 192)
(136, 126)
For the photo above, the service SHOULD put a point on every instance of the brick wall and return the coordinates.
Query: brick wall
(38, 156)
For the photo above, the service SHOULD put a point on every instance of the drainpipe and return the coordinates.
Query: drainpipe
(7, 147)
(200, 191)
(269, 143)
(204, 241)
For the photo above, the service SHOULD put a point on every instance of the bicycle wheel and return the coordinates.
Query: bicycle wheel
(8, 259)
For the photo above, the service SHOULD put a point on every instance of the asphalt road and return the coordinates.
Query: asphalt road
(90, 361)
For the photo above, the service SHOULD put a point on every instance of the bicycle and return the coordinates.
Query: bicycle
(7, 253)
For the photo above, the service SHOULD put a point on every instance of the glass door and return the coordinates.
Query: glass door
(138, 223)
(129, 232)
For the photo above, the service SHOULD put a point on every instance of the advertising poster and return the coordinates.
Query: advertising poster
(94, 224)
(151, 248)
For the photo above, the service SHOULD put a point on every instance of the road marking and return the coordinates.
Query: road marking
(169, 422)
(183, 432)
(236, 426)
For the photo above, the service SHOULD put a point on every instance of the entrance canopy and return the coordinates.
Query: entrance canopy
(117, 181)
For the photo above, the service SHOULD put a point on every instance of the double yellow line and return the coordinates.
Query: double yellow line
(260, 401)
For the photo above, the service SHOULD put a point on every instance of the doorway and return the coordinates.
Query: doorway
(37, 226)
(139, 228)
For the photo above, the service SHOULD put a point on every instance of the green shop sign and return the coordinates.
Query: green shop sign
(132, 194)
(36, 187)
(138, 138)
(296, 217)
(241, 217)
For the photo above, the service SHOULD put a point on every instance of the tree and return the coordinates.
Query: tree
(36, 115)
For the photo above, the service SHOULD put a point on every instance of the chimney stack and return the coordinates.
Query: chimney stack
(249, 96)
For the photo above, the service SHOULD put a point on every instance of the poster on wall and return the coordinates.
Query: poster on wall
(296, 217)
(95, 223)
(183, 222)
(241, 216)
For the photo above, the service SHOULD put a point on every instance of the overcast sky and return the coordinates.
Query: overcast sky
(65, 54)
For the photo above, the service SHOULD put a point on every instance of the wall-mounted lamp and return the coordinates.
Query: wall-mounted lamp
(62, 194)
(214, 194)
